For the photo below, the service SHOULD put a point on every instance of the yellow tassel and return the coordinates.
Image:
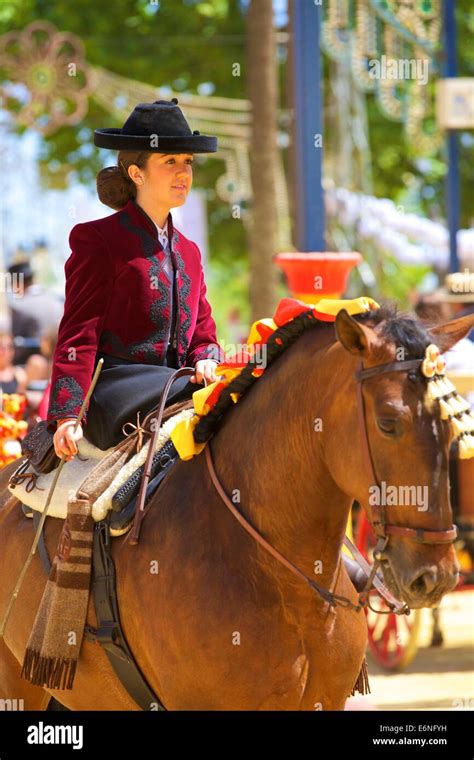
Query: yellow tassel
(448, 385)
(443, 386)
(446, 411)
(458, 426)
(434, 389)
(463, 404)
(456, 405)
(431, 393)
(467, 422)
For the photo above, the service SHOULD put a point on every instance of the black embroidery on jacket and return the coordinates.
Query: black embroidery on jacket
(70, 407)
(213, 351)
(145, 349)
(184, 309)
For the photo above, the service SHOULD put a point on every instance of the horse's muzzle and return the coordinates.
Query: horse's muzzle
(427, 586)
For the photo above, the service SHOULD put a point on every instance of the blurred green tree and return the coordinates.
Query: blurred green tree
(188, 44)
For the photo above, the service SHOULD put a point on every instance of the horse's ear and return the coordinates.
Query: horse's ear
(355, 337)
(448, 334)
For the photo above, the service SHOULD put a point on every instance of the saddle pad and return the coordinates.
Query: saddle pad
(75, 472)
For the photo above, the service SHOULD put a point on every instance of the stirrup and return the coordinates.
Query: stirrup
(27, 511)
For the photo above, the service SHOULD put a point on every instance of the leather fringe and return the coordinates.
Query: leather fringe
(362, 684)
(49, 672)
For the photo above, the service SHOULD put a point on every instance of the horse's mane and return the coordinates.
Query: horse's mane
(400, 328)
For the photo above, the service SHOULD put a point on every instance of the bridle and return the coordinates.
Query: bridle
(381, 528)
(379, 525)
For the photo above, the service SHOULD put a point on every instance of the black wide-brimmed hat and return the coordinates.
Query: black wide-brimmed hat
(159, 127)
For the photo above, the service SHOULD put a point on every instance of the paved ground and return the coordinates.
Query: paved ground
(439, 678)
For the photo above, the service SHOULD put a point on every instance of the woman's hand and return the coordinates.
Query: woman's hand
(205, 369)
(65, 438)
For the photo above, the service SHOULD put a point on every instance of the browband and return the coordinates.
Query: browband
(368, 372)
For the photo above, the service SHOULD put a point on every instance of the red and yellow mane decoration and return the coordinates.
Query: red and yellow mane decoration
(452, 406)
(12, 427)
(204, 399)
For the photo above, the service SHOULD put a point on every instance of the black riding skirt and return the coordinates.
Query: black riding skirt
(125, 387)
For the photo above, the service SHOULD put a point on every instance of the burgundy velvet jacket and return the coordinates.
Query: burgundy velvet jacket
(118, 301)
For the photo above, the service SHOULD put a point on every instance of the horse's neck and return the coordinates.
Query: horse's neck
(269, 457)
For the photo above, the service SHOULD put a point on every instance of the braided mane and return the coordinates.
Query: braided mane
(402, 329)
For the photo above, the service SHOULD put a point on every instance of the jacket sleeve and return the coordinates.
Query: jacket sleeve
(204, 343)
(89, 283)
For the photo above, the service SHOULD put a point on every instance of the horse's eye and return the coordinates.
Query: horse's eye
(389, 426)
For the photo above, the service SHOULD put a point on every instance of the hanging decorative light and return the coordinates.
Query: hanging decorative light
(360, 32)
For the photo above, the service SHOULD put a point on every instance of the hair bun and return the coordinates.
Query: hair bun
(113, 189)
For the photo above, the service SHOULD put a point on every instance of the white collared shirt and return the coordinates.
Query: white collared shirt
(163, 234)
(163, 238)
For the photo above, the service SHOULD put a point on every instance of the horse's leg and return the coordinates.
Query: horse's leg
(343, 640)
(15, 692)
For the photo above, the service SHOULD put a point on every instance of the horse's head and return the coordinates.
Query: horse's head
(403, 479)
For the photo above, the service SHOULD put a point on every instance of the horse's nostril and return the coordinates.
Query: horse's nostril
(424, 582)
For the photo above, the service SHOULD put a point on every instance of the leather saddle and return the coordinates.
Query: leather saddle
(125, 499)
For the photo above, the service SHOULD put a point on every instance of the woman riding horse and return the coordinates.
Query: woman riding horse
(135, 289)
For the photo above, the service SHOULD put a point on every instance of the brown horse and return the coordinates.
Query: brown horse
(223, 625)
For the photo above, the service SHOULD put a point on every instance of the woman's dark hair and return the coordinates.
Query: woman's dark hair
(114, 185)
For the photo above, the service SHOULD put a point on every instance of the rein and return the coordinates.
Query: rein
(382, 530)
(328, 596)
(334, 600)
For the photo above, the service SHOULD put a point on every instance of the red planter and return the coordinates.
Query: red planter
(312, 276)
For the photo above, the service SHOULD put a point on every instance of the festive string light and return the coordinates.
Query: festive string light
(362, 31)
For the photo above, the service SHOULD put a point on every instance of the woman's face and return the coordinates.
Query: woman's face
(7, 351)
(167, 178)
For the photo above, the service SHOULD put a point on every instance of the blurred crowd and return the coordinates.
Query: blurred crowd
(27, 344)
(455, 299)
(34, 313)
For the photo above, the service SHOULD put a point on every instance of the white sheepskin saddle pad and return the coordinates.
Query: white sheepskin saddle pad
(76, 471)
